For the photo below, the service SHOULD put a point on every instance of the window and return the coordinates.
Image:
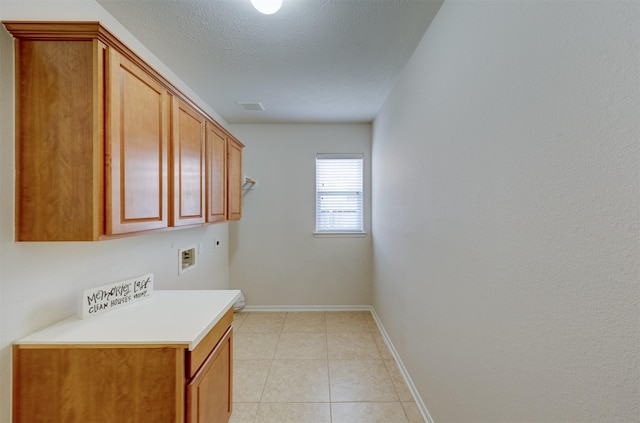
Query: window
(339, 196)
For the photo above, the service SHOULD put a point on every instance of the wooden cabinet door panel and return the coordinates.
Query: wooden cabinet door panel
(137, 149)
(216, 174)
(234, 175)
(209, 392)
(188, 146)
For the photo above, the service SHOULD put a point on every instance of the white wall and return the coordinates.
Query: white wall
(506, 204)
(40, 282)
(274, 257)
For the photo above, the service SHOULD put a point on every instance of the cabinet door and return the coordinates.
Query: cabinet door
(137, 149)
(234, 178)
(188, 156)
(209, 392)
(216, 174)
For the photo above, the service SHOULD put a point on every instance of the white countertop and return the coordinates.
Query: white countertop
(167, 317)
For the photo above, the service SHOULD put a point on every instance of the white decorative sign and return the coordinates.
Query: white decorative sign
(117, 294)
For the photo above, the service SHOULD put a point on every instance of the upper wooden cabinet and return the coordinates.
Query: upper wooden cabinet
(105, 146)
(224, 175)
(216, 173)
(137, 121)
(234, 178)
(60, 89)
(188, 160)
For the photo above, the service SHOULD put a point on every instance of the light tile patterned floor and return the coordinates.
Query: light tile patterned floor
(316, 367)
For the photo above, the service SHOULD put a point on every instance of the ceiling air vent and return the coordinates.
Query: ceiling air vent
(251, 106)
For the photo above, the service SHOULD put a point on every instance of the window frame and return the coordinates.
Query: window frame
(339, 233)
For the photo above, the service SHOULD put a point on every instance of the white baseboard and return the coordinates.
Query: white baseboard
(308, 308)
(403, 370)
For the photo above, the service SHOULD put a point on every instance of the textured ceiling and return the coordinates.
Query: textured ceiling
(313, 61)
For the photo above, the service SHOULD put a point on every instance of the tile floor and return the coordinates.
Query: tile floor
(316, 367)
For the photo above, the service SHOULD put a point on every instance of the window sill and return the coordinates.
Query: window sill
(339, 234)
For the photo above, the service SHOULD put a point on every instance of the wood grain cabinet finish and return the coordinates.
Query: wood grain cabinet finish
(97, 156)
(216, 173)
(60, 88)
(125, 383)
(188, 158)
(137, 148)
(84, 383)
(234, 178)
(209, 391)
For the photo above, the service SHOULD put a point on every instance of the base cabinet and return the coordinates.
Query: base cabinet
(209, 392)
(138, 384)
(126, 383)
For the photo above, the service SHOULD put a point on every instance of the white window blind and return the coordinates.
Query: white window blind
(339, 196)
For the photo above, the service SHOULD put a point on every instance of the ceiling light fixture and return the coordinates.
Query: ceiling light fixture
(268, 7)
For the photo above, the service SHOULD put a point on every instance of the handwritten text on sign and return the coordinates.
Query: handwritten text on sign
(117, 294)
